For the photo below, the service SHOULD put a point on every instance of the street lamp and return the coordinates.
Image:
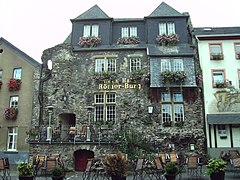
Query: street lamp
(49, 129)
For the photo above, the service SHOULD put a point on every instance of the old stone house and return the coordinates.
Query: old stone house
(127, 84)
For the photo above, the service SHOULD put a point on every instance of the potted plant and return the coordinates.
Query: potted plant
(25, 171)
(171, 170)
(116, 166)
(216, 168)
(57, 173)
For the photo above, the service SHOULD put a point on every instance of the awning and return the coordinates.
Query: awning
(223, 118)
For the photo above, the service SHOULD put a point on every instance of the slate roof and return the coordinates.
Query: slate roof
(165, 10)
(93, 13)
(217, 31)
(26, 57)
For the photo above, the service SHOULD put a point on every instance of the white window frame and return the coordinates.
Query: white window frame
(177, 64)
(129, 31)
(178, 110)
(165, 65)
(135, 64)
(17, 73)
(91, 30)
(12, 139)
(105, 64)
(13, 101)
(167, 28)
(167, 109)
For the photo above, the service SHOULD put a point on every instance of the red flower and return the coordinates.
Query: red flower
(14, 84)
(10, 113)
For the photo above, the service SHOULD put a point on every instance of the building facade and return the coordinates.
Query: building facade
(16, 94)
(219, 50)
(120, 84)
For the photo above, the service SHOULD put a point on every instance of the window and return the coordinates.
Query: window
(239, 78)
(172, 107)
(129, 32)
(166, 28)
(13, 101)
(105, 64)
(237, 50)
(1, 72)
(165, 65)
(218, 77)
(216, 52)
(17, 73)
(171, 65)
(222, 132)
(90, 30)
(135, 64)
(12, 139)
(105, 107)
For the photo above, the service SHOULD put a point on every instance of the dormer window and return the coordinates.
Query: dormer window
(166, 28)
(90, 30)
(129, 32)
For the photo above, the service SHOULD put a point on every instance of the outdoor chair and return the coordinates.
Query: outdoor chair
(163, 157)
(192, 166)
(173, 157)
(159, 170)
(138, 172)
(87, 173)
(233, 154)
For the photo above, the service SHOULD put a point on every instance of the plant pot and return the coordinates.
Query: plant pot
(170, 176)
(57, 178)
(217, 176)
(115, 177)
(26, 177)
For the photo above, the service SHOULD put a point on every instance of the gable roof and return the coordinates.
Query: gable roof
(164, 10)
(93, 13)
(217, 31)
(19, 52)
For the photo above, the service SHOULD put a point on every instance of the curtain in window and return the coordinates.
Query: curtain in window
(171, 28)
(178, 65)
(17, 73)
(124, 32)
(87, 31)
(133, 31)
(215, 49)
(162, 28)
(165, 65)
(95, 30)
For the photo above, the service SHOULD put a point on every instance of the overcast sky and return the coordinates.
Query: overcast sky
(36, 25)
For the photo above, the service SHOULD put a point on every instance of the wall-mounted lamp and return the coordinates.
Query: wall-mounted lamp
(192, 147)
(49, 64)
(150, 109)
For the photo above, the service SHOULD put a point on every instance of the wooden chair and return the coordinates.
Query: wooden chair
(87, 173)
(159, 168)
(233, 154)
(163, 157)
(50, 164)
(192, 166)
(138, 172)
(173, 157)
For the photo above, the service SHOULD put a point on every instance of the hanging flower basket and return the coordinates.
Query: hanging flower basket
(128, 40)
(14, 84)
(1, 84)
(87, 42)
(167, 40)
(10, 113)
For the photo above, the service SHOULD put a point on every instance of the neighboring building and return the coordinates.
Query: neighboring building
(114, 86)
(219, 54)
(16, 94)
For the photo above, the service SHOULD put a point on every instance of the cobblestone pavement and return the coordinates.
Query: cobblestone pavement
(78, 176)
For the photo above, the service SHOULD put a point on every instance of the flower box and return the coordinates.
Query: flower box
(175, 77)
(10, 113)
(220, 85)
(128, 40)
(87, 42)
(14, 84)
(167, 40)
(216, 57)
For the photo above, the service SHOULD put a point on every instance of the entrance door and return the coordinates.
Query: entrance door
(81, 157)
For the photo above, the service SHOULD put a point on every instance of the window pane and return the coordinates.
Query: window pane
(99, 65)
(124, 32)
(237, 47)
(166, 97)
(111, 65)
(99, 98)
(162, 28)
(111, 112)
(171, 28)
(178, 112)
(17, 73)
(218, 77)
(99, 116)
(12, 138)
(133, 31)
(165, 65)
(111, 98)
(95, 30)
(135, 64)
(177, 97)
(86, 31)
(178, 65)
(166, 113)
(215, 49)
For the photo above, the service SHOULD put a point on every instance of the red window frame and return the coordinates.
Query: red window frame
(218, 70)
(237, 53)
(215, 57)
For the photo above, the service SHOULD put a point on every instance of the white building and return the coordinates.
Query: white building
(219, 56)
